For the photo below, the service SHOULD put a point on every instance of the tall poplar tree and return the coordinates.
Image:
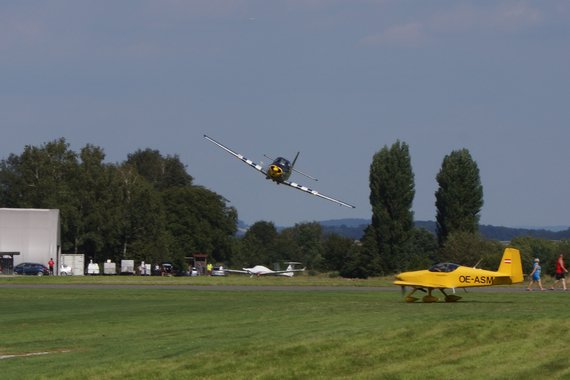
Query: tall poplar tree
(459, 198)
(392, 192)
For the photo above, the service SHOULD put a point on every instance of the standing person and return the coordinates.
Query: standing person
(535, 275)
(560, 272)
(51, 263)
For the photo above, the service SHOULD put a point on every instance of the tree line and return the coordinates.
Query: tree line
(147, 208)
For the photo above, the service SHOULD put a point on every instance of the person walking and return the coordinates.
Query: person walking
(535, 275)
(560, 273)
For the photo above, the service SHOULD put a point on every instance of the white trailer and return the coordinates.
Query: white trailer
(76, 262)
(127, 266)
(109, 267)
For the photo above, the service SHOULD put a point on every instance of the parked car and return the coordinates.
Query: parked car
(65, 270)
(167, 269)
(218, 271)
(34, 269)
(192, 272)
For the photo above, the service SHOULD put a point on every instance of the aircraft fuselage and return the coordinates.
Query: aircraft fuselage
(279, 170)
(462, 277)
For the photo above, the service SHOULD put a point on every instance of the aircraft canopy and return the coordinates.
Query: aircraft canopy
(283, 163)
(444, 267)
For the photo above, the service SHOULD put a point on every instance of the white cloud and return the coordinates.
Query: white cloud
(408, 35)
(505, 17)
(429, 24)
(180, 10)
(20, 29)
(517, 16)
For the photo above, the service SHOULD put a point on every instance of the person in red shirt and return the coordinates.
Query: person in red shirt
(50, 265)
(560, 273)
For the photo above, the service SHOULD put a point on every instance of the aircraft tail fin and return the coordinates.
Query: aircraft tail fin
(289, 274)
(511, 265)
(295, 160)
(298, 171)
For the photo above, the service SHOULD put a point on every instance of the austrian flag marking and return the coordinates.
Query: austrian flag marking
(507, 261)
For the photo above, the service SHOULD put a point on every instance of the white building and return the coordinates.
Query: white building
(29, 235)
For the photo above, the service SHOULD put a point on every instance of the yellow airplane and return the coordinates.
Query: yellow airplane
(450, 276)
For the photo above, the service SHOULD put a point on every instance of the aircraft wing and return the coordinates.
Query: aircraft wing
(316, 193)
(236, 271)
(254, 165)
(272, 273)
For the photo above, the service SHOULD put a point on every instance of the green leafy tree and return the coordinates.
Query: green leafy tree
(264, 232)
(545, 250)
(459, 198)
(199, 221)
(144, 209)
(302, 243)
(287, 247)
(92, 203)
(310, 241)
(466, 248)
(12, 185)
(41, 177)
(246, 253)
(257, 246)
(422, 250)
(162, 172)
(146, 226)
(391, 195)
(336, 252)
(142, 223)
(363, 260)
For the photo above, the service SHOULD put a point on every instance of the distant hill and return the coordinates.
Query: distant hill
(351, 223)
(507, 234)
(354, 229)
(349, 228)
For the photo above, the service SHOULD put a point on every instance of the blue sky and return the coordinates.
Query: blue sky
(336, 80)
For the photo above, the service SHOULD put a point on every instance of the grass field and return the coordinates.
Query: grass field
(182, 333)
(235, 279)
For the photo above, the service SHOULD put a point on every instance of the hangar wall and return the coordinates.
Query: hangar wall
(35, 233)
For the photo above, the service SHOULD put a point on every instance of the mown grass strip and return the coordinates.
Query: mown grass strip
(179, 334)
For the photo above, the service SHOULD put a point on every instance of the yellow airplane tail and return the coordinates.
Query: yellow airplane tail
(511, 265)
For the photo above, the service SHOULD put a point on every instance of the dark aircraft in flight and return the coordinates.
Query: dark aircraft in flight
(279, 171)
